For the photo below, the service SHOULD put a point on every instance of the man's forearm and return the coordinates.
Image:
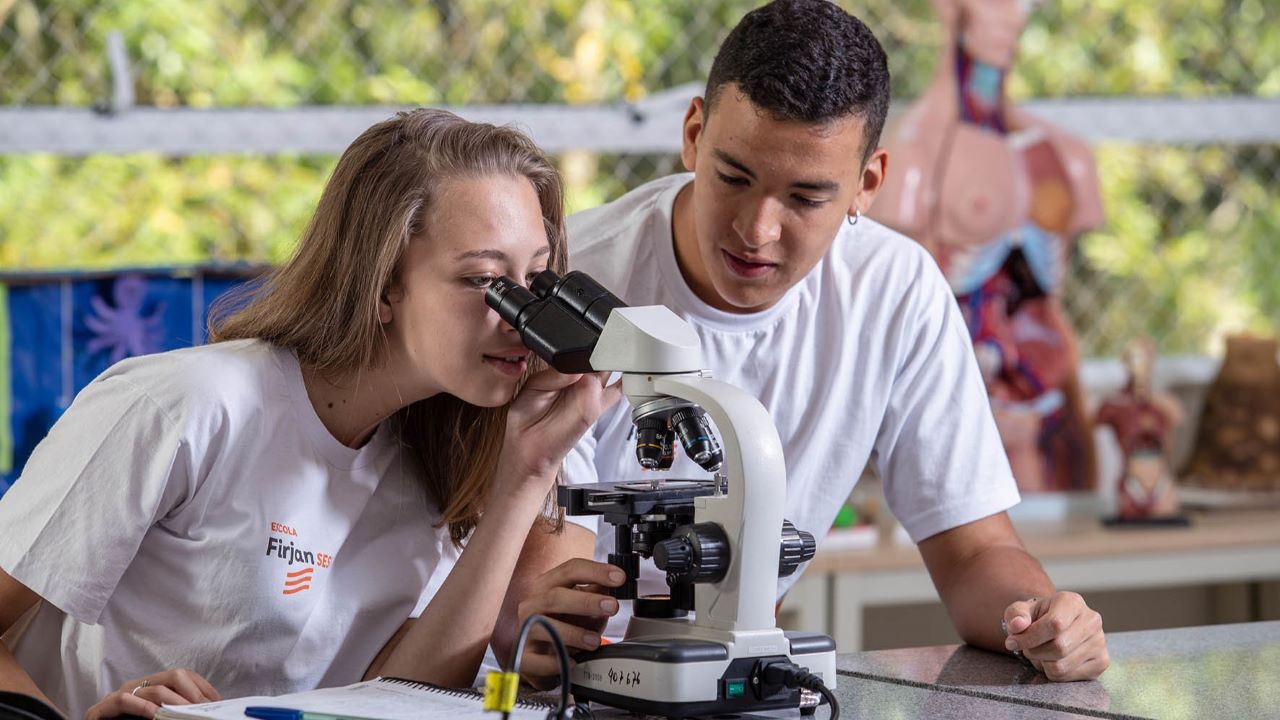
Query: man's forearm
(977, 593)
(985, 577)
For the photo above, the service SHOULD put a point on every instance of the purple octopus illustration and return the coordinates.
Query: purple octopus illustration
(123, 330)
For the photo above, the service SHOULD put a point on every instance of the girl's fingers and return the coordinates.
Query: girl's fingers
(549, 381)
(188, 684)
(161, 695)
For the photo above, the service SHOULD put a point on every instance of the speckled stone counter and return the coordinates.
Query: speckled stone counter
(1222, 671)
(862, 698)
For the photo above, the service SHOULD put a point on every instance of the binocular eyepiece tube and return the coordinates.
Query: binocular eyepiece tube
(559, 318)
(576, 291)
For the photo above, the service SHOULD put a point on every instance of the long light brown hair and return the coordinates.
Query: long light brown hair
(323, 302)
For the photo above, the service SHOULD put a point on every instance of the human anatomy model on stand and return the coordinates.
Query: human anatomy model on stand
(998, 196)
(1143, 422)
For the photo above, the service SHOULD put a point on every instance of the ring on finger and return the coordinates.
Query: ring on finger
(141, 685)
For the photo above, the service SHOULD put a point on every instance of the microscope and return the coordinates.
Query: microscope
(722, 541)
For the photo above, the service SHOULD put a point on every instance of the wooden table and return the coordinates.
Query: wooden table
(1077, 553)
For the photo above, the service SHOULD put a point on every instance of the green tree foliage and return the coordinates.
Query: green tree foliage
(1193, 233)
(1187, 254)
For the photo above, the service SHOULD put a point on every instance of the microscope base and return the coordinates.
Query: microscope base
(686, 677)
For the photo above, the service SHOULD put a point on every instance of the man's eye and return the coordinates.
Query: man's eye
(480, 281)
(809, 202)
(731, 179)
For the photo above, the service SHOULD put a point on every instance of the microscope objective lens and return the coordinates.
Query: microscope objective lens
(653, 444)
(696, 437)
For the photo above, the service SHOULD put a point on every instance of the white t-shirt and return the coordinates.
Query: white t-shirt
(191, 510)
(867, 358)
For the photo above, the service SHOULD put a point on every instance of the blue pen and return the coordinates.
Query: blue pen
(262, 712)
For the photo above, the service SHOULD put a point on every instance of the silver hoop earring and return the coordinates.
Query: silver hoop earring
(854, 218)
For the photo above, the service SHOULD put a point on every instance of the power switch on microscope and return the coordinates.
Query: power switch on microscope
(734, 689)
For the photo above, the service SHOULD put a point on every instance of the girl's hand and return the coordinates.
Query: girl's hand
(547, 419)
(574, 597)
(145, 696)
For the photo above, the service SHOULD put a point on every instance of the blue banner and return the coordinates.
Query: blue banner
(62, 330)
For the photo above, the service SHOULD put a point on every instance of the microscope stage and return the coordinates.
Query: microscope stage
(634, 498)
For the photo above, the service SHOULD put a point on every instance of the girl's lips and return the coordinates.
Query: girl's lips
(510, 368)
(744, 268)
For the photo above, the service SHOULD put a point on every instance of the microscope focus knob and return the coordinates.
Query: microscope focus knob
(798, 547)
(699, 552)
(673, 555)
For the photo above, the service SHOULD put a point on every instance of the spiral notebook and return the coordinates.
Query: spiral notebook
(380, 699)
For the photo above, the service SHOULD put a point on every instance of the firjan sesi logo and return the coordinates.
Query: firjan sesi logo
(296, 582)
(300, 564)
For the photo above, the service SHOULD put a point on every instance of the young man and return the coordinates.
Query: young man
(844, 330)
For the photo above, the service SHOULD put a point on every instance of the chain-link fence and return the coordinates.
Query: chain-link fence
(1188, 253)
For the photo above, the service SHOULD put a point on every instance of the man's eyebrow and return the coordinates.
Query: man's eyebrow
(815, 185)
(818, 185)
(728, 159)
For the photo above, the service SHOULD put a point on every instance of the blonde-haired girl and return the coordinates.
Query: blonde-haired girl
(286, 507)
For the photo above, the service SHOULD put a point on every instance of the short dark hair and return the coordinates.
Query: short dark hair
(806, 60)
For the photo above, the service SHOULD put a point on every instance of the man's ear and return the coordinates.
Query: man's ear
(694, 121)
(873, 174)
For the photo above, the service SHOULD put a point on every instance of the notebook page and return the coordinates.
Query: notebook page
(369, 700)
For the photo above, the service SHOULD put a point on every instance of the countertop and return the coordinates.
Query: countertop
(1221, 671)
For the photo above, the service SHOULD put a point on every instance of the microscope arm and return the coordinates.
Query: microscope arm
(660, 355)
(750, 513)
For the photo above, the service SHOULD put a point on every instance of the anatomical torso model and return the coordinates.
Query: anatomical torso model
(997, 196)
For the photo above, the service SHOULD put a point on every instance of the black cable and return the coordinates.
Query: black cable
(831, 700)
(561, 712)
(793, 676)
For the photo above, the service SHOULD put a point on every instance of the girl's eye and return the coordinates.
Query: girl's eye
(528, 279)
(480, 281)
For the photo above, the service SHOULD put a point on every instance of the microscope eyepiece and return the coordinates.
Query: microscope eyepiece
(509, 299)
(580, 293)
(544, 282)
